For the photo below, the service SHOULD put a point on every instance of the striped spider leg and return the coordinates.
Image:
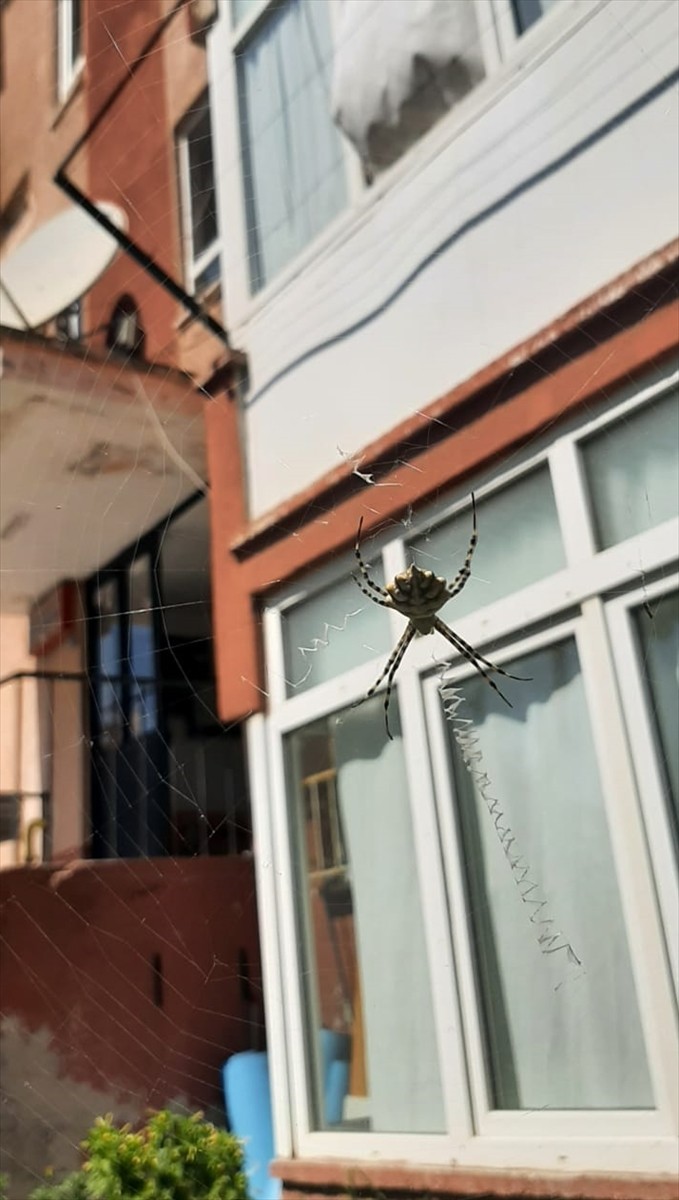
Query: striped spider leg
(418, 595)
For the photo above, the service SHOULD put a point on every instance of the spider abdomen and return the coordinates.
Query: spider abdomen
(418, 594)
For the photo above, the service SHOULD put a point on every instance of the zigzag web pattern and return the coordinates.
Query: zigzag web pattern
(550, 939)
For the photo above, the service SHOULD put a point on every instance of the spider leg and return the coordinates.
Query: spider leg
(371, 595)
(391, 667)
(465, 571)
(491, 666)
(363, 568)
(472, 657)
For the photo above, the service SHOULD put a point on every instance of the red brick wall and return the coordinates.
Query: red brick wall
(134, 969)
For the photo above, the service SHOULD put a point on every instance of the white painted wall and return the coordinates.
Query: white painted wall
(580, 223)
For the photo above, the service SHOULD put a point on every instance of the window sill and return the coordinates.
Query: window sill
(398, 1180)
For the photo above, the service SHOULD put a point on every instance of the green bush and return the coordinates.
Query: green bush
(169, 1158)
(73, 1187)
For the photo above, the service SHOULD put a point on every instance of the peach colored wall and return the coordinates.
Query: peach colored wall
(18, 722)
(122, 988)
(42, 734)
(68, 733)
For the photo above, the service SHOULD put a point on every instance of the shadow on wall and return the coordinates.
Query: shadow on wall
(125, 986)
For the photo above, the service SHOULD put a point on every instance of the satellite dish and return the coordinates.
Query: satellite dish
(55, 266)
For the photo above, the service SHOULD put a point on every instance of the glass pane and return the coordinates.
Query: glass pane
(292, 154)
(142, 649)
(76, 31)
(334, 630)
(632, 468)
(202, 182)
(368, 994)
(659, 638)
(519, 542)
(527, 12)
(107, 661)
(557, 1036)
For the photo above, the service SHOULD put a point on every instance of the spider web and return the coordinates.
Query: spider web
(130, 978)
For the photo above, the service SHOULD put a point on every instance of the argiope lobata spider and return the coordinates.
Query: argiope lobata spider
(418, 595)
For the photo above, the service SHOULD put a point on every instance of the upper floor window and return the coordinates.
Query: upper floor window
(197, 186)
(527, 12)
(326, 94)
(292, 155)
(70, 54)
(198, 199)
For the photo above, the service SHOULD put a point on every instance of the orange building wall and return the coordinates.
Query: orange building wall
(36, 130)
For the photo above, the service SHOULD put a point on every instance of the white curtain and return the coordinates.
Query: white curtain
(292, 155)
(557, 1037)
(401, 1053)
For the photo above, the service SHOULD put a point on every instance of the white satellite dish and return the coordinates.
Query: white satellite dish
(55, 265)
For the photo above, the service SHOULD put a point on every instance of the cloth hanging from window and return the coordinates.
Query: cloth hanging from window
(399, 66)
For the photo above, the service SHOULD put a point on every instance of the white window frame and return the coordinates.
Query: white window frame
(642, 740)
(225, 42)
(69, 63)
(505, 55)
(476, 1136)
(195, 264)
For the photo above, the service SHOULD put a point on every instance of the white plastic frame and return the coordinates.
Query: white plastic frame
(643, 745)
(636, 896)
(69, 64)
(194, 264)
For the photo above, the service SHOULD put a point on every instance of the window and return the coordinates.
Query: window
(315, 649)
(422, 1008)
(198, 204)
(527, 12)
(292, 155)
(10, 817)
(165, 776)
(69, 322)
(125, 332)
(632, 471)
(363, 993)
(318, 97)
(70, 52)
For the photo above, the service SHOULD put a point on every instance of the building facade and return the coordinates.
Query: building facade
(129, 936)
(451, 264)
(442, 235)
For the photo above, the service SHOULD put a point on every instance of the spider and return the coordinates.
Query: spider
(418, 595)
